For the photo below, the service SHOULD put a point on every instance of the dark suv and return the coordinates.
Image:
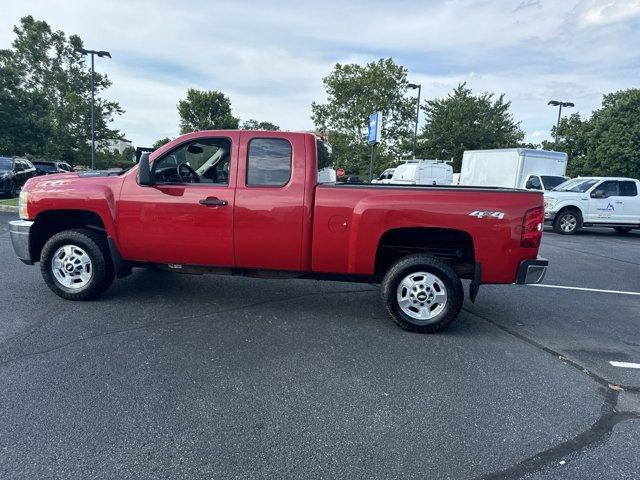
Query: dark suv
(44, 167)
(14, 172)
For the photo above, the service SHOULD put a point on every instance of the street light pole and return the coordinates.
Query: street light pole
(93, 115)
(415, 132)
(100, 53)
(559, 104)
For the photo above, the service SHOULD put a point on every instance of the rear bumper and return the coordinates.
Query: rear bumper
(532, 271)
(19, 232)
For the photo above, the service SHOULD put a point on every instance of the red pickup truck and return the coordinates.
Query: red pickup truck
(249, 203)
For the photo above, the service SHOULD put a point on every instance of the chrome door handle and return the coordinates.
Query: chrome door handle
(213, 202)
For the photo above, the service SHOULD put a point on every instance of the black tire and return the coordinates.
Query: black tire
(622, 230)
(570, 215)
(95, 246)
(422, 263)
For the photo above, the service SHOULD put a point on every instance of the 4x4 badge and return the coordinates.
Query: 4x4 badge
(487, 213)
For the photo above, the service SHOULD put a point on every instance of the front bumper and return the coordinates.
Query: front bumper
(19, 231)
(532, 271)
(549, 217)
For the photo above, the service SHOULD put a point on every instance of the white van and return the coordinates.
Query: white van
(513, 168)
(385, 177)
(423, 172)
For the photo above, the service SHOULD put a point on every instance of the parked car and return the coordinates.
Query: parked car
(593, 201)
(353, 179)
(513, 168)
(385, 177)
(45, 167)
(14, 172)
(248, 203)
(423, 172)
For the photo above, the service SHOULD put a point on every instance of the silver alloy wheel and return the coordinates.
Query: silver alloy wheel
(71, 267)
(421, 295)
(568, 222)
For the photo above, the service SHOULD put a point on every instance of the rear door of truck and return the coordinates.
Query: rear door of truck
(269, 215)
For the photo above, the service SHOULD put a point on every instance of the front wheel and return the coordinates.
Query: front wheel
(422, 294)
(76, 264)
(567, 222)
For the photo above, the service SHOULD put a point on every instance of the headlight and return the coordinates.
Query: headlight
(22, 205)
(549, 203)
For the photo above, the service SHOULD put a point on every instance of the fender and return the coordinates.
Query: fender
(569, 204)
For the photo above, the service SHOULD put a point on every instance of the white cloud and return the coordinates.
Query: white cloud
(270, 57)
(606, 12)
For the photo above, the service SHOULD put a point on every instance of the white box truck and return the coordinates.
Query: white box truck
(513, 168)
(423, 172)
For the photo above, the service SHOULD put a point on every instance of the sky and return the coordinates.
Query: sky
(270, 57)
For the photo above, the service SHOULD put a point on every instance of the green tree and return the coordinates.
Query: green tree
(572, 140)
(613, 136)
(24, 115)
(464, 121)
(353, 93)
(46, 92)
(163, 141)
(206, 110)
(256, 125)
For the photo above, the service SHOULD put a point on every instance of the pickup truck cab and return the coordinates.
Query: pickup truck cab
(593, 202)
(249, 203)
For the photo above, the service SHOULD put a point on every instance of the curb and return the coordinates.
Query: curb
(8, 209)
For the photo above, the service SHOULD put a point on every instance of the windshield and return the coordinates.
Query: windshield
(45, 167)
(6, 163)
(552, 181)
(580, 185)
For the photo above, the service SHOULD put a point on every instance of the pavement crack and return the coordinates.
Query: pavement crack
(174, 321)
(555, 353)
(595, 435)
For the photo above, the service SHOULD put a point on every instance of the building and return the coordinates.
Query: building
(116, 145)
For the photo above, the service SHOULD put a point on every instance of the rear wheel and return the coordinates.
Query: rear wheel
(622, 230)
(422, 294)
(567, 222)
(76, 264)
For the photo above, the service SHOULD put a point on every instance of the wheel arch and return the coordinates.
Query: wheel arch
(571, 206)
(49, 222)
(453, 246)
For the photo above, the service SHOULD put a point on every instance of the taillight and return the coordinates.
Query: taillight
(532, 228)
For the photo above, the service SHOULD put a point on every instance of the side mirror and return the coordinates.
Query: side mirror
(144, 171)
(598, 194)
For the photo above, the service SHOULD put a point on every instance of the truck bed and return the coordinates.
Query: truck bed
(351, 219)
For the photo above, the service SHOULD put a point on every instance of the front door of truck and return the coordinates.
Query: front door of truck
(606, 204)
(270, 209)
(186, 216)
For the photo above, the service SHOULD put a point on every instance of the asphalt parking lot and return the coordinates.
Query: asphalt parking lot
(175, 376)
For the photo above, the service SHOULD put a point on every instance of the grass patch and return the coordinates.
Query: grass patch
(9, 201)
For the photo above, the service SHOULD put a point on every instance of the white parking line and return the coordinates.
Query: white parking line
(621, 292)
(625, 364)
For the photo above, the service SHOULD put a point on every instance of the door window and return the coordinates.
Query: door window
(269, 162)
(607, 189)
(18, 166)
(205, 160)
(628, 189)
(534, 183)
